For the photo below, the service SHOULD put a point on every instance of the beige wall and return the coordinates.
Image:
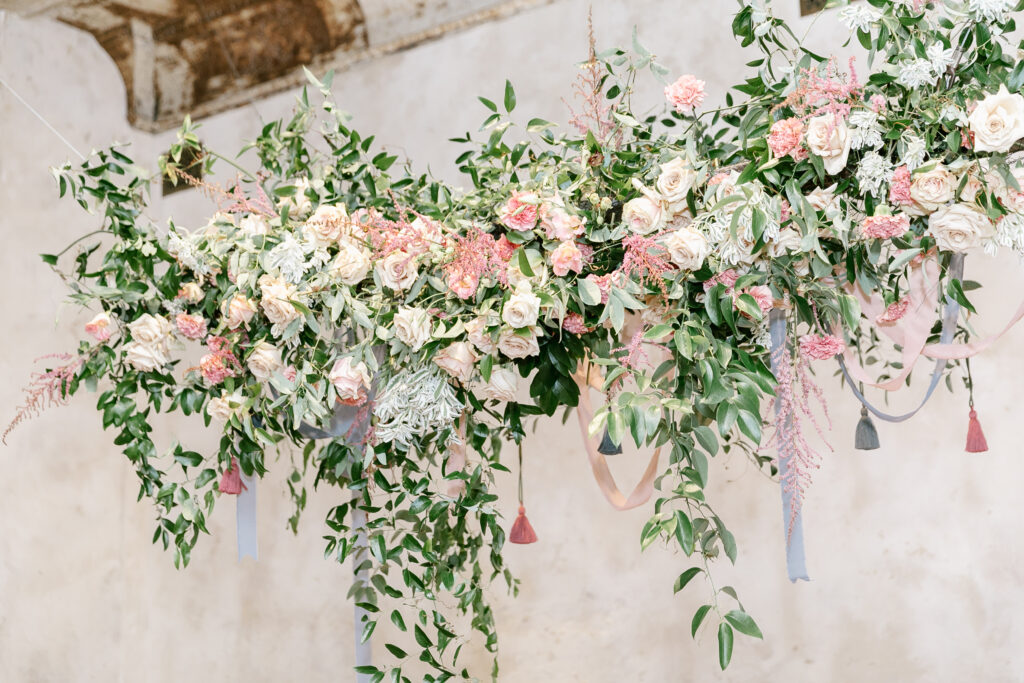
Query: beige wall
(914, 549)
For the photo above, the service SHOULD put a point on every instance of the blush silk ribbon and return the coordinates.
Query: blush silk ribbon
(587, 377)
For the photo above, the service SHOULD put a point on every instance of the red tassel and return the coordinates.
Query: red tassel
(975, 437)
(231, 480)
(522, 532)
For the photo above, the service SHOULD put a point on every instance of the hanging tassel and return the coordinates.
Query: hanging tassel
(607, 446)
(522, 531)
(231, 480)
(866, 437)
(975, 437)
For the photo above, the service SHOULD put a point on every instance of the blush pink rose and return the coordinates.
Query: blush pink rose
(463, 284)
(350, 380)
(685, 94)
(821, 346)
(566, 257)
(190, 326)
(99, 327)
(520, 211)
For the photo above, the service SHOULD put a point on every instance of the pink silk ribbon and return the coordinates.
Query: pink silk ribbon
(587, 379)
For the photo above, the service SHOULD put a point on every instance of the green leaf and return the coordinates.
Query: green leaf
(685, 578)
(537, 125)
(49, 258)
(397, 620)
(401, 654)
(724, 644)
(590, 293)
(510, 97)
(698, 618)
(421, 637)
(684, 533)
(487, 103)
(524, 263)
(743, 623)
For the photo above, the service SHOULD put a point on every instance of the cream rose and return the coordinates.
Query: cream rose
(350, 380)
(824, 199)
(829, 138)
(931, 190)
(522, 307)
(264, 361)
(476, 332)
(191, 292)
(643, 215)
(150, 329)
(959, 227)
(239, 311)
(412, 327)
(502, 386)
(223, 408)
(518, 343)
(458, 360)
(787, 242)
(146, 357)
(352, 264)
(253, 225)
(674, 181)
(275, 300)
(998, 121)
(326, 225)
(398, 270)
(687, 248)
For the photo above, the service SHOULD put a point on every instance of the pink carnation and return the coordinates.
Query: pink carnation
(894, 312)
(762, 294)
(504, 249)
(899, 186)
(726, 277)
(821, 346)
(717, 178)
(573, 322)
(190, 326)
(786, 211)
(214, 368)
(685, 94)
(520, 212)
(885, 227)
(785, 137)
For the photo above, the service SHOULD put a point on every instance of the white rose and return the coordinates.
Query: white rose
(146, 357)
(239, 311)
(829, 138)
(476, 332)
(398, 270)
(253, 225)
(191, 292)
(351, 381)
(675, 181)
(998, 121)
(223, 408)
(824, 199)
(931, 190)
(275, 300)
(264, 361)
(457, 360)
(522, 308)
(502, 386)
(687, 248)
(643, 215)
(788, 241)
(518, 343)
(412, 327)
(150, 329)
(959, 227)
(352, 264)
(298, 204)
(325, 226)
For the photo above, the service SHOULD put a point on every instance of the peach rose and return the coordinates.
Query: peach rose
(458, 360)
(518, 343)
(239, 311)
(998, 121)
(412, 327)
(476, 332)
(829, 138)
(351, 381)
(264, 361)
(566, 257)
(502, 385)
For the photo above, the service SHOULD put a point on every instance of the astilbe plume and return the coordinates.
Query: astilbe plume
(477, 254)
(229, 201)
(387, 236)
(795, 394)
(831, 93)
(645, 260)
(45, 389)
(594, 114)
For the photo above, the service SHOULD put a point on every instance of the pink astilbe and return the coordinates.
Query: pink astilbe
(646, 260)
(229, 201)
(406, 234)
(831, 93)
(477, 254)
(595, 113)
(45, 389)
(885, 227)
(795, 393)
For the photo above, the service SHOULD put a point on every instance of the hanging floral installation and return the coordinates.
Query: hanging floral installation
(401, 331)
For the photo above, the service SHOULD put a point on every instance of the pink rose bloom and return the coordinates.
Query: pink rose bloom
(566, 257)
(785, 137)
(99, 327)
(821, 346)
(504, 249)
(899, 186)
(214, 368)
(458, 360)
(885, 227)
(726, 277)
(190, 326)
(464, 285)
(894, 312)
(685, 94)
(520, 211)
(573, 322)
(762, 294)
(717, 178)
(559, 225)
(350, 380)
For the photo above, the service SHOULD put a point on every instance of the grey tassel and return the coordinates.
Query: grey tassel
(607, 446)
(866, 438)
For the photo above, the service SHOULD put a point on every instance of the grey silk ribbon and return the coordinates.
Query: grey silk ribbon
(950, 315)
(245, 514)
(796, 564)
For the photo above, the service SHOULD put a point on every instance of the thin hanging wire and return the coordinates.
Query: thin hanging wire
(970, 383)
(520, 444)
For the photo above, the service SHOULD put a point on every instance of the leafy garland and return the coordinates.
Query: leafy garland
(649, 248)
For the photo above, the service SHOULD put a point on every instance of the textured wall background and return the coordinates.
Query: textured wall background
(914, 549)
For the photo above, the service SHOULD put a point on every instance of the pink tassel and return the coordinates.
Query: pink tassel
(522, 532)
(975, 437)
(231, 480)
